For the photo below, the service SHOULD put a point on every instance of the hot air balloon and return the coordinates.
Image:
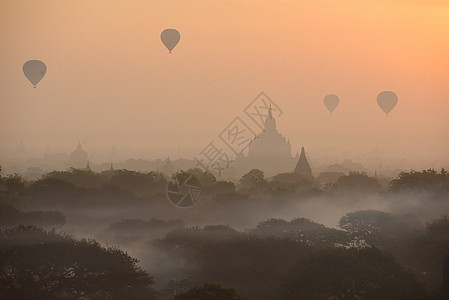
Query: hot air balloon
(387, 100)
(331, 102)
(170, 38)
(34, 70)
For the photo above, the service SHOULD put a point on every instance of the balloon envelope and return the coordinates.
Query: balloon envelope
(170, 38)
(387, 100)
(34, 70)
(331, 102)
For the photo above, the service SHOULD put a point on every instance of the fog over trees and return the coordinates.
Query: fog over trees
(79, 234)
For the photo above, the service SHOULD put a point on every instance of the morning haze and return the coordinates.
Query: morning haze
(111, 83)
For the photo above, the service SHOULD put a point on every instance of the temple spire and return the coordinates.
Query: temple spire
(303, 167)
(270, 122)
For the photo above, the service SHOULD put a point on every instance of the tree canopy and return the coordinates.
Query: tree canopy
(209, 292)
(351, 274)
(37, 264)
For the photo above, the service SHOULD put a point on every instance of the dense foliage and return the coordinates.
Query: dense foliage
(37, 264)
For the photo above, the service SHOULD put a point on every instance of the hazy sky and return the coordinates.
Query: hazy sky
(111, 82)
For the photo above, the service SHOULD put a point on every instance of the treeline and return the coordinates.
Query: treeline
(79, 188)
(11, 216)
(86, 188)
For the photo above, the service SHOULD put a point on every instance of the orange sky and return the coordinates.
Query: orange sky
(110, 81)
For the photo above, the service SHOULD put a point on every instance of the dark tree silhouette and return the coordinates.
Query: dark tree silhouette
(37, 264)
(207, 179)
(357, 182)
(79, 178)
(219, 254)
(13, 185)
(442, 292)
(221, 187)
(426, 181)
(329, 177)
(52, 191)
(132, 230)
(376, 228)
(426, 254)
(290, 183)
(209, 292)
(253, 182)
(351, 274)
(139, 183)
(10, 216)
(302, 230)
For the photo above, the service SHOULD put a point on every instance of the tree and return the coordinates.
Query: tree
(56, 192)
(139, 183)
(438, 229)
(326, 178)
(426, 254)
(12, 216)
(209, 292)
(442, 292)
(291, 183)
(250, 264)
(253, 181)
(2, 185)
(223, 187)
(357, 182)
(14, 185)
(37, 264)
(79, 178)
(350, 274)
(207, 179)
(376, 228)
(51, 191)
(131, 230)
(302, 230)
(426, 181)
(195, 237)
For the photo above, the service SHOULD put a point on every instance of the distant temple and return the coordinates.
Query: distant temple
(78, 158)
(88, 167)
(270, 152)
(303, 167)
(270, 144)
